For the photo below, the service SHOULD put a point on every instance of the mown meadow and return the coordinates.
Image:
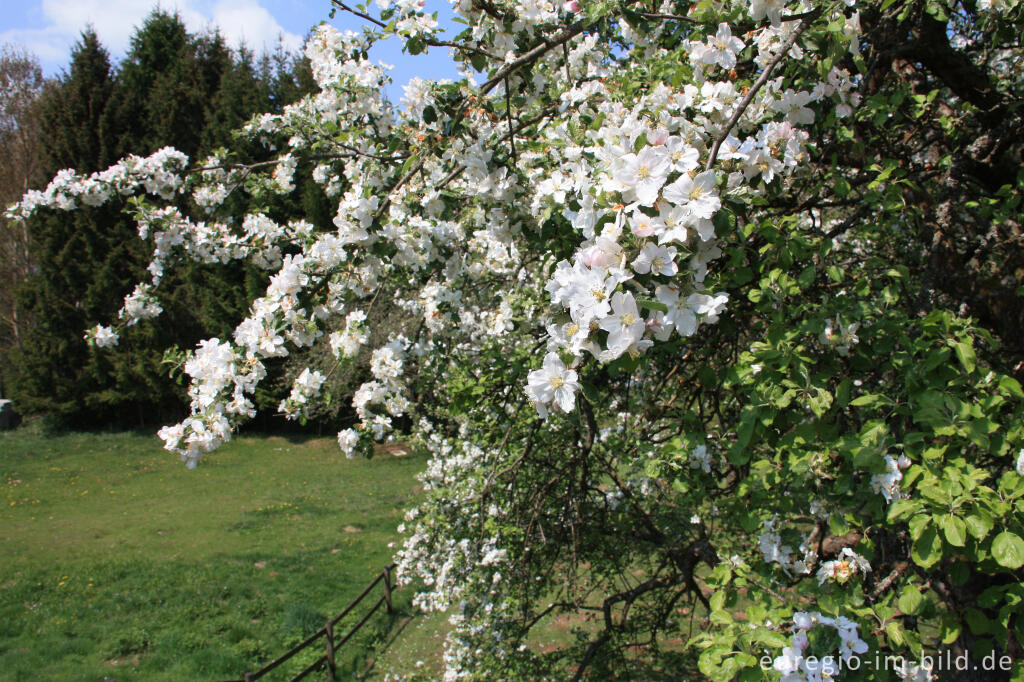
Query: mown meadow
(117, 562)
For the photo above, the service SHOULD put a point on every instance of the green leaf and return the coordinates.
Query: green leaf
(770, 638)
(901, 509)
(820, 402)
(651, 304)
(928, 549)
(416, 45)
(843, 392)
(950, 629)
(917, 525)
(806, 277)
(870, 400)
(913, 642)
(895, 633)
(978, 622)
(1010, 386)
(738, 454)
(721, 618)
(965, 353)
(1008, 550)
(979, 526)
(910, 600)
(955, 530)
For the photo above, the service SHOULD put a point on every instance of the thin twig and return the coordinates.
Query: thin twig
(566, 35)
(765, 75)
(428, 41)
(668, 17)
(511, 129)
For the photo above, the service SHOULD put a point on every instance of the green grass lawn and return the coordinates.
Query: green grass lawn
(117, 562)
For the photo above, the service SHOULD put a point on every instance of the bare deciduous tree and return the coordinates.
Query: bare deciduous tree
(21, 83)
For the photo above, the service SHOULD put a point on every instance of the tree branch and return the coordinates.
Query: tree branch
(758, 84)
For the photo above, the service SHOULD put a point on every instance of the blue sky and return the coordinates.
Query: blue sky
(48, 28)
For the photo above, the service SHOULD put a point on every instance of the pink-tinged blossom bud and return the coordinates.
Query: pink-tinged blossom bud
(572, 7)
(591, 257)
(658, 136)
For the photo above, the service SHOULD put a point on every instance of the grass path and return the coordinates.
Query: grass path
(117, 562)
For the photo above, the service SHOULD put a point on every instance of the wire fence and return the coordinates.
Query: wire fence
(327, 634)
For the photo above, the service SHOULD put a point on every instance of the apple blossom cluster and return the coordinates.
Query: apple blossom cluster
(997, 5)
(349, 85)
(347, 343)
(772, 9)
(839, 84)
(225, 375)
(700, 458)
(174, 235)
(160, 174)
(648, 228)
(553, 383)
(769, 543)
(376, 402)
(102, 336)
(915, 672)
(410, 20)
(305, 388)
(796, 665)
(259, 238)
(140, 305)
(284, 172)
(887, 484)
(539, 11)
(221, 384)
(841, 569)
(720, 49)
(839, 336)
(445, 573)
(348, 439)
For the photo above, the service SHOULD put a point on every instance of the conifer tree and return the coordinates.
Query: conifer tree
(72, 109)
(241, 91)
(52, 371)
(174, 89)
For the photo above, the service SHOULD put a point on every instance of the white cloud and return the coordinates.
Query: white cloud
(116, 20)
(245, 21)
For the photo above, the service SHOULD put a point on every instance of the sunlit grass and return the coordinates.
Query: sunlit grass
(119, 562)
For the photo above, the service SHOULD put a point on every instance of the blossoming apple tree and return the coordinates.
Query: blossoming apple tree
(687, 382)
